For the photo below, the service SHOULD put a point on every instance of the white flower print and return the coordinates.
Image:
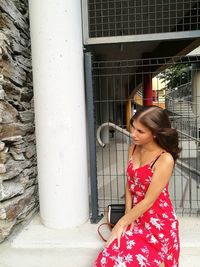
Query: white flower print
(165, 248)
(173, 234)
(130, 244)
(173, 225)
(147, 226)
(136, 179)
(163, 203)
(145, 250)
(170, 257)
(118, 260)
(148, 179)
(129, 258)
(151, 211)
(161, 235)
(174, 214)
(140, 194)
(120, 264)
(129, 233)
(176, 246)
(142, 260)
(132, 187)
(156, 222)
(165, 191)
(175, 264)
(164, 215)
(115, 247)
(137, 230)
(153, 240)
(121, 260)
(103, 260)
(158, 262)
(105, 253)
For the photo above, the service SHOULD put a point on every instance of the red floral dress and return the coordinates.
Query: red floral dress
(154, 238)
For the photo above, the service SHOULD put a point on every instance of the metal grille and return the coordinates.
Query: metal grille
(132, 17)
(118, 85)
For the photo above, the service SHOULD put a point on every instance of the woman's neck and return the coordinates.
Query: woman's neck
(150, 147)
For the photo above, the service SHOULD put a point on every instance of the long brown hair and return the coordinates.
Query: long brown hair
(157, 121)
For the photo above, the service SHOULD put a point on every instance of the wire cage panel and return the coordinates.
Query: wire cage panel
(118, 92)
(108, 18)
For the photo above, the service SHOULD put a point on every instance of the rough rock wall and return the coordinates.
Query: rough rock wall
(18, 170)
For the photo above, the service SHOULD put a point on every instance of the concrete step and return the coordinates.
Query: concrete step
(52, 257)
(38, 246)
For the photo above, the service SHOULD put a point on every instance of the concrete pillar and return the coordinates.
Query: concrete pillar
(57, 54)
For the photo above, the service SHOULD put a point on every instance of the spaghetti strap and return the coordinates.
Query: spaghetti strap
(154, 161)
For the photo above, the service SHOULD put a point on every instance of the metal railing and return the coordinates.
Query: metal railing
(113, 126)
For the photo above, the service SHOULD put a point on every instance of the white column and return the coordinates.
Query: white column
(57, 54)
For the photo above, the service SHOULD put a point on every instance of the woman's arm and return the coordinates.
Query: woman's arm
(128, 200)
(128, 197)
(162, 173)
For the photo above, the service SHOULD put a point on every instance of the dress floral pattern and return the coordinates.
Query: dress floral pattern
(154, 238)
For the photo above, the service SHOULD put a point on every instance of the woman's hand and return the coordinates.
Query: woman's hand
(117, 232)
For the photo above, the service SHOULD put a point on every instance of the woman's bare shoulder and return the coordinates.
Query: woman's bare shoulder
(166, 159)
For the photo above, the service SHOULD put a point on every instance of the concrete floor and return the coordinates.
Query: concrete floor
(38, 246)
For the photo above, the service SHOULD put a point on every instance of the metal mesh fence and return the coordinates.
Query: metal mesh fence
(118, 93)
(132, 17)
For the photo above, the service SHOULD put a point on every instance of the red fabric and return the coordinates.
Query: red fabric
(154, 238)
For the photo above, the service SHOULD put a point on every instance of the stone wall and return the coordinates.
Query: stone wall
(18, 168)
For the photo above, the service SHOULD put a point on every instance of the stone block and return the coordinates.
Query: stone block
(26, 94)
(14, 168)
(5, 228)
(26, 116)
(8, 112)
(2, 94)
(4, 156)
(31, 151)
(2, 146)
(16, 156)
(15, 129)
(12, 208)
(2, 168)
(10, 189)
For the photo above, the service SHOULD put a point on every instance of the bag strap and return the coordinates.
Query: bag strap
(99, 232)
(110, 226)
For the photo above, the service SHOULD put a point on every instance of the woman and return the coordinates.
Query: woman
(147, 235)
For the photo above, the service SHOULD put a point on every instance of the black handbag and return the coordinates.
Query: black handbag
(113, 213)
